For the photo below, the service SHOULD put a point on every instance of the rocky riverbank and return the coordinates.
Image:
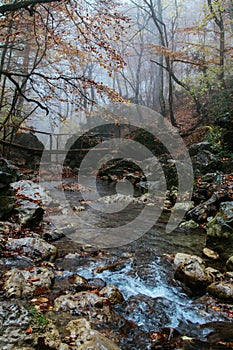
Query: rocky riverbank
(46, 304)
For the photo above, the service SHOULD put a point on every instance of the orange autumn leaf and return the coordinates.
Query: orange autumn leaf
(33, 279)
(29, 330)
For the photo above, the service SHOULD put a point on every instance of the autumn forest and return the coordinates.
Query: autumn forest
(59, 57)
(116, 174)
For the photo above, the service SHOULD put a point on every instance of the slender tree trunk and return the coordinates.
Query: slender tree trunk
(26, 55)
(161, 61)
(222, 54)
(218, 19)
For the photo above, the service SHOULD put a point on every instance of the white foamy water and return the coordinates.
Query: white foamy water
(178, 306)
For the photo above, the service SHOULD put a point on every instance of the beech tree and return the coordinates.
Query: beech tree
(137, 80)
(164, 38)
(46, 47)
(202, 49)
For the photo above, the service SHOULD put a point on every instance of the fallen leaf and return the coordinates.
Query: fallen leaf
(29, 330)
(33, 279)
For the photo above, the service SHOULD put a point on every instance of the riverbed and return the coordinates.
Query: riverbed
(154, 300)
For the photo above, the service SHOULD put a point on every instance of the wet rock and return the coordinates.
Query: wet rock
(209, 177)
(78, 301)
(31, 191)
(221, 334)
(21, 283)
(192, 273)
(221, 290)
(229, 274)
(150, 313)
(15, 261)
(229, 264)
(49, 338)
(184, 206)
(51, 235)
(96, 309)
(34, 247)
(168, 166)
(222, 224)
(85, 338)
(199, 147)
(116, 198)
(220, 231)
(191, 224)
(96, 283)
(118, 167)
(182, 258)
(210, 254)
(30, 198)
(112, 293)
(205, 162)
(2, 241)
(216, 274)
(168, 338)
(14, 321)
(205, 210)
(119, 199)
(152, 166)
(78, 283)
(204, 188)
(28, 212)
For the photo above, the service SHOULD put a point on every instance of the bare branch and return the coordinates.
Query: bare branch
(19, 90)
(27, 5)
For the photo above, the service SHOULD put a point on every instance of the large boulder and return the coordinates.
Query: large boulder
(112, 293)
(221, 290)
(28, 212)
(192, 272)
(86, 338)
(153, 312)
(29, 157)
(205, 162)
(48, 338)
(78, 301)
(97, 309)
(21, 283)
(78, 283)
(30, 199)
(13, 314)
(147, 173)
(220, 231)
(33, 247)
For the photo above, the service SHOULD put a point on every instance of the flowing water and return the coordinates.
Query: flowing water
(154, 300)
